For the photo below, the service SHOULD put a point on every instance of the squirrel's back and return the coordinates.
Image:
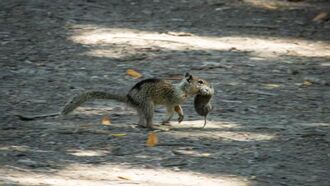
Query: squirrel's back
(158, 91)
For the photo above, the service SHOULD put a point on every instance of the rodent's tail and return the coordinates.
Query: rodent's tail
(86, 96)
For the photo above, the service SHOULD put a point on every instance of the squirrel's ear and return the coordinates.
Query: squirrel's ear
(188, 77)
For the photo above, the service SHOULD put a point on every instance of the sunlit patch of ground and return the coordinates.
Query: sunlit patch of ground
(119, 175)
(87, 153)
(219, 130)
(262, 47)
(274, 4)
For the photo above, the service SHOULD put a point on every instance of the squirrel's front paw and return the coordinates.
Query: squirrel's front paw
(180, 119)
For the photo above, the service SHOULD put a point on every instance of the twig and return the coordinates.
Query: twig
(262, 93)
(253, 25)
(210, 67)
(230, 101)
(17, 168)
(178, 144)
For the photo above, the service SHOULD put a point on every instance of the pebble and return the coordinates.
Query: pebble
(31, 163)
(28, 162)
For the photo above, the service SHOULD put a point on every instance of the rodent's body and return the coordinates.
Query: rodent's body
(202, 104)
(144, 95)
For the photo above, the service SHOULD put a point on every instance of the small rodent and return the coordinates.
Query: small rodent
(202, 104)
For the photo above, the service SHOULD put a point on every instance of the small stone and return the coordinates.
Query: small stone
(28, 162)
(51, 142)
(31, 163)
(315, 80)
(9, 127)
(19, 154)
(147, 12)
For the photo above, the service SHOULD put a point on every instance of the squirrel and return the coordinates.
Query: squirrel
(202, 103)
(143, 96)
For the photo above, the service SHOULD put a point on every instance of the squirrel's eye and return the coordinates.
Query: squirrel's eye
(201, 82)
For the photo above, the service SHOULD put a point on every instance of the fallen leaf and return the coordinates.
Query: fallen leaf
(322, 16)
(152, 139)
(179, 34)
(118, 135)
(205, 154)
(272, 85)
(307, 83)
(134, 73)
(295, 0)
(124, 177)
(269, 6)
(175, 77)
(84, 126)
(105, 120)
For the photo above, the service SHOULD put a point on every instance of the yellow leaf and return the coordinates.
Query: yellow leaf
(134, 73)
(124, 177)
(174, 77)
(105, 120)
(323, 16)
(271, 85)
(84, 126)
(307, 83)
(205, 154)
(269, 6)
(152, 139)
(179, 34)
(118, 135)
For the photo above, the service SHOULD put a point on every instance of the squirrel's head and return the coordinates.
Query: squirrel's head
(194, 85)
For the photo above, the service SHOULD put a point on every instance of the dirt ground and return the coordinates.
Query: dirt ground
(269, 61)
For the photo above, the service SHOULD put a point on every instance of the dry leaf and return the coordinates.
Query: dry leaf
(85, 126)
(179, 33)
(205, 155)
(174, 77)
(119, 135)
(272, 85)
(152, 139)
(323, 16)
(105, 120)
(307, 83)
(295, 0)
(134, 73)
(124, 177)
(271, 6)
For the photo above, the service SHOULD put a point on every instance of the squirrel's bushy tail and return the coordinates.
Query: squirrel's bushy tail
(82, 98)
